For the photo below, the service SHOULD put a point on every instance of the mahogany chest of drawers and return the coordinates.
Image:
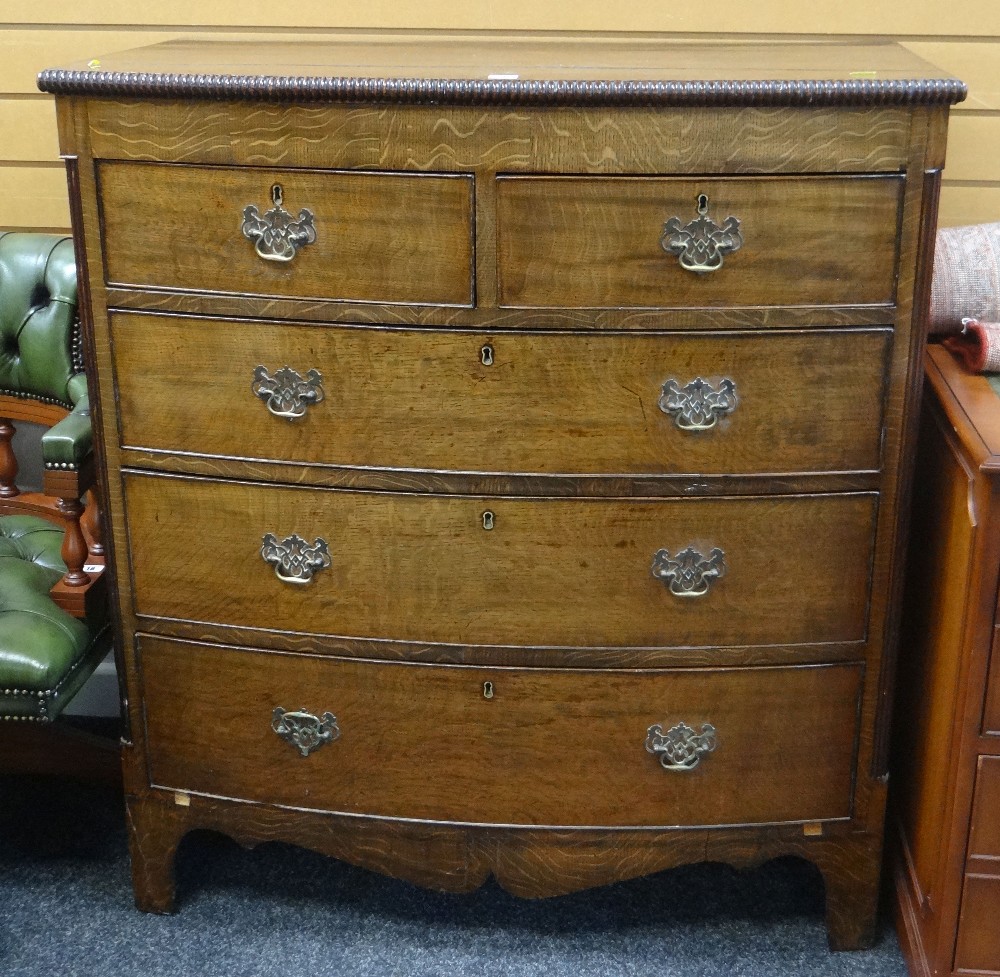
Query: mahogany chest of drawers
(506, 444)
(946, 763)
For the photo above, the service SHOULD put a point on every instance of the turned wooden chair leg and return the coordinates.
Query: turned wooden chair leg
(93, 530)
(74, 548)
(8, 463)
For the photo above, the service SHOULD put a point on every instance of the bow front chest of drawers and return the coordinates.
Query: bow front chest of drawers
(506, 445)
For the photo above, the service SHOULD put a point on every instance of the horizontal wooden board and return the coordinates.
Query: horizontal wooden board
(423, 741)
(961, 205)
(551, 572)
(972, 17)
(974, 148)
(29, 127)
(33, 196)
(977, 63)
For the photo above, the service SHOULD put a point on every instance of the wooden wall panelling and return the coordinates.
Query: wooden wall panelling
(971, 18)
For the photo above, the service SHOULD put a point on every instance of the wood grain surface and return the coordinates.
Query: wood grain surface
(385, 237)
(577, 242)
(749, 139)
(549, 404)
(422, 741)
(551, 571)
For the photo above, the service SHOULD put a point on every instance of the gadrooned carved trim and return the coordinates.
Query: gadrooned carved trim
(290, 88)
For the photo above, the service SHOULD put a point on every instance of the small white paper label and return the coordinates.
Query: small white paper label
(502, 77)
(93, 567)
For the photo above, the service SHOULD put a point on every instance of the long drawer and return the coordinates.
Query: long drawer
(502, 571)
(445, 400)
(603, 242)
(502, 745)
(378, 237)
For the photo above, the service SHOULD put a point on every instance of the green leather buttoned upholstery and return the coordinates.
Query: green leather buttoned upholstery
(45, 653)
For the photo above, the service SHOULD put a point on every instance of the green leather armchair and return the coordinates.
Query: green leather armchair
(52, 612)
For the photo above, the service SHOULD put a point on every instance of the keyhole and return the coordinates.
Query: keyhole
(486, 355)
(276, 195)
(487, 690)
(488, 519)
(702, 204)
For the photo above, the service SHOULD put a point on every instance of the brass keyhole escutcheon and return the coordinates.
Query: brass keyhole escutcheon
(486, 355)
(702, 204)
(488, 520)
(487, 690)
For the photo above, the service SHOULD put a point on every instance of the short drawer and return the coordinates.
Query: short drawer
(378, 237)
(503, 571)
(599, 242)
(502, 745)
(523, 403)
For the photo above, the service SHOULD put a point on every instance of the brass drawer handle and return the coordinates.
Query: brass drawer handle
(698, 405)
(293, 559)
(303, 730)
(287, 394)
(277, 236)
(688, 574)
(680, 747)
(701, 244)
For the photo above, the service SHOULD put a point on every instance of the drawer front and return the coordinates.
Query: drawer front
(379, 237)
(799, 402)
(545, 748)
(549, 572)
(586, 242)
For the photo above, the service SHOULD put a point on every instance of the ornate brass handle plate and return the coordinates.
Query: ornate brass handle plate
(276, 234)
(287, 394)
(698, 405)
(680, 747)
(701, 244)
(688, 574)
(293, 559)
(303, 730)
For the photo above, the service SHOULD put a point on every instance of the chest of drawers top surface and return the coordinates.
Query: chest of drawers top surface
(466, 67)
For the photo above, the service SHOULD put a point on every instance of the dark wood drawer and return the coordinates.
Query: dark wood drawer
(424, 741)
(551, 572)
(379, 237)
(595, 242)
(424, 399)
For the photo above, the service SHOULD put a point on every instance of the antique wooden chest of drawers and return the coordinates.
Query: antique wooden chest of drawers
(506, 442)
(946, 762)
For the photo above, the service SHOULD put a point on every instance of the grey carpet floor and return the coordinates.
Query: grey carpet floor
(66, 911)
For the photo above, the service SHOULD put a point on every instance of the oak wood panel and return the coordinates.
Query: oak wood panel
(984, 834)
(978, 946)
(641, 140)
(547, 404)
(465, 483)
(595, 243)
(383, 237)
(422, 741)
(565, 572)
(486, 318)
